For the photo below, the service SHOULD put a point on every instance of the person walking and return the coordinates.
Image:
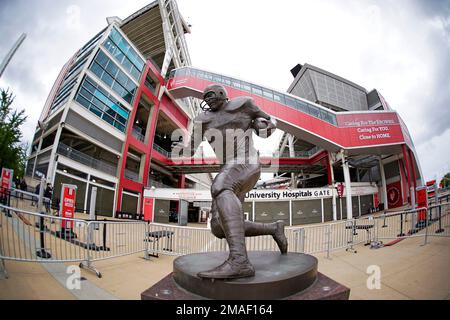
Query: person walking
(48, 193)
(23, 187)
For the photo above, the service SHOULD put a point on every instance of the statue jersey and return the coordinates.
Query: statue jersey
(229, 130)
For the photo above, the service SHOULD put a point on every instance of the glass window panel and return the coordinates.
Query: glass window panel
(97, 70)
(102, 59)
(109, 45)
(132, 55)
(115, 36)
(98, 103)
(323, 115)
(135, 73)
(279, 98)
(127, 97)
(291, 102)
(122, 78)
(108, 119)
(119, 56)
(246, 86)
(118, 88)
(139, 63)
(257, 90)
(121, 119)
(107, 79)
(131, 87)
(302, 106)
(112, 69)
(111, 112)
(268, 94)
(333, 119)
(314, 111)
(95, 110)
(85, 103)
(226, 81)
(123, 46)
(236, 84)
(217, 78)
(127, 64)
(119, 126)
(86, 93)
(102, 98)
(89, 86)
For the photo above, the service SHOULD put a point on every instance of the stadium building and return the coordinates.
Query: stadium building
(109, 119)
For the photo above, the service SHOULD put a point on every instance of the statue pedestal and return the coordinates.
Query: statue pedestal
(292, 276)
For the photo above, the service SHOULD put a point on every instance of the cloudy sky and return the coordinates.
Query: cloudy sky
(401, 48)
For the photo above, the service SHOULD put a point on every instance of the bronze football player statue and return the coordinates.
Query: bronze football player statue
(234, 120)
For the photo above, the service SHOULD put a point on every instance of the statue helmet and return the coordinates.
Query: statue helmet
(213, 96)
(219, 91)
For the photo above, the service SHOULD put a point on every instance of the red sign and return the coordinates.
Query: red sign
(394, 195)
(340, 189)
(422, 202)
(68, 196)
(431, 188)
(148, 209)
(7, 176)
(422, 197)
(375, 200)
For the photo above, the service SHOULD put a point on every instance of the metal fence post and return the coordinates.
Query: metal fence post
(426, 227)
(401, 234)
(3, 269)
(303, 240)
(375, 230)
(41, 253)
(328, 240)
(440, 230)
(147, 240)
(88, 264)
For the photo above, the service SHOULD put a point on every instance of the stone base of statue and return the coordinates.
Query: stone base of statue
(293, 276)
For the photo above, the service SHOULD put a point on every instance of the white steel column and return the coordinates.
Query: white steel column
(383, 184)
(334, 205)
(292, 155)
(348, 186)
(290, 212)
(253, 211)
(323, 214)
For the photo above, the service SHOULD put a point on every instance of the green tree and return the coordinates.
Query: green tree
(445, 181)
(12, 151)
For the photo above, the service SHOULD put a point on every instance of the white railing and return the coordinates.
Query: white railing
(83, 158)
(161, 150)
(137, 133)
(131, 175)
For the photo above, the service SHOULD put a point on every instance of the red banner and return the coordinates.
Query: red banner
(340, 189)
(422, 197)
(394, 195)
(376, 202)
(68, 196)
(7, 177)
(148, 209)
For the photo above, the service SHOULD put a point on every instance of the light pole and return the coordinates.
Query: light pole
(11, 53)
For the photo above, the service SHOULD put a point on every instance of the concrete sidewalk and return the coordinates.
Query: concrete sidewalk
(408, 271)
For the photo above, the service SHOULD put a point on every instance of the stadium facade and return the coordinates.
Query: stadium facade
(109, 119)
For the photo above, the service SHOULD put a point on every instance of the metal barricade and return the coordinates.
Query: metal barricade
(29, 236)
(35, 237)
